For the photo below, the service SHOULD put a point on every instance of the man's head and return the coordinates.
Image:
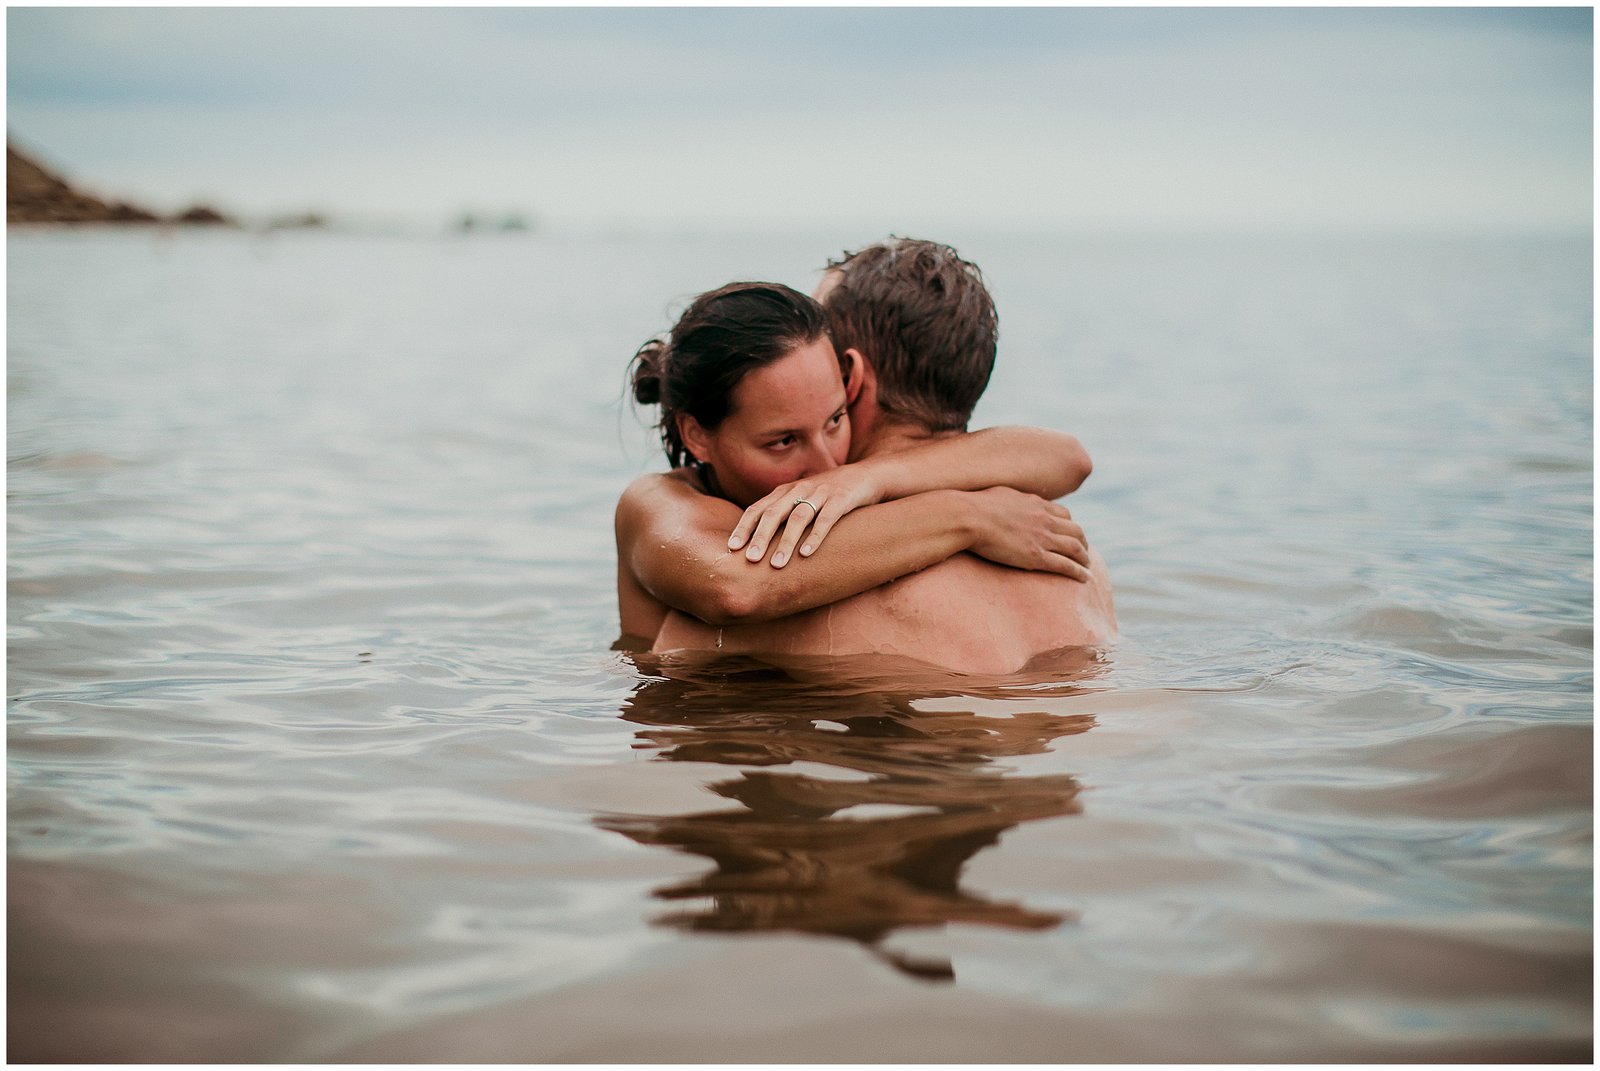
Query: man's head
(922, 320)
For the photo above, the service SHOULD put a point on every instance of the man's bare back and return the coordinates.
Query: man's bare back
(966, 615)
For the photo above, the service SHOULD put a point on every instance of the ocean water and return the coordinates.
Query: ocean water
(320, 749)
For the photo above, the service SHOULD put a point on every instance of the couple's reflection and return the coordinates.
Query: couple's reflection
(877, 841)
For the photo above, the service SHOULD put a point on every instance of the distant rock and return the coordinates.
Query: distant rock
(121, 212)
(513, 221)
(36, 195)
(303, 222)
(203, 216)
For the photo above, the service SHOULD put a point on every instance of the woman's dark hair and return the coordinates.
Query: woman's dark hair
(721, 336)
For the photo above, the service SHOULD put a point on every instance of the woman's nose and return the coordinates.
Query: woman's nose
(819, 458)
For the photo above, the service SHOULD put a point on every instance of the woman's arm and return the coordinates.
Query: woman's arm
(671, 538)
(1050, 464)
(1046, 463)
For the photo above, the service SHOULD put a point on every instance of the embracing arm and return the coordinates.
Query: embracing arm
(1038, 461)
(1046, 463)
(673, 540)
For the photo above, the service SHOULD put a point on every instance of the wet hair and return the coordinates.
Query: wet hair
(723, 334)
(924, 319)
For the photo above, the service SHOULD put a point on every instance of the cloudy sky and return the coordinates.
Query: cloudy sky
(915, 120)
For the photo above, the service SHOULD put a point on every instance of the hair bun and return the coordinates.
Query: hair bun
(647, 372)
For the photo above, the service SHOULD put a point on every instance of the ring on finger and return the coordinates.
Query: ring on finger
(804, 502)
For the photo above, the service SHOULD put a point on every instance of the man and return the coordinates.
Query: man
(919, 325)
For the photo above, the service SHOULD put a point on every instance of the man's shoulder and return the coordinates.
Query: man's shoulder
(972, 588)
(966, 569)
(969, 596)
(959, 580)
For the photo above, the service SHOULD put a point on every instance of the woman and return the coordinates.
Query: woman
(755, 420)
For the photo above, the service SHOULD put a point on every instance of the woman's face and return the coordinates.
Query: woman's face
(788, 421)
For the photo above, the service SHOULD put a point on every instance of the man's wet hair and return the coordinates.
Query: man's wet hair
(924, 319)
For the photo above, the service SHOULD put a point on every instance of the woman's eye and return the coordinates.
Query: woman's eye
(835, 420)
(781, 444)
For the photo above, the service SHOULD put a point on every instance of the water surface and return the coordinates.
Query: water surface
(320, 750)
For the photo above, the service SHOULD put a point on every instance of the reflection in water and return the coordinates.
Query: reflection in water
(848, 857)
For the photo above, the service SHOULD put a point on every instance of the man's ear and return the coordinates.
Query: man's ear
(693, 436)
(855, 374)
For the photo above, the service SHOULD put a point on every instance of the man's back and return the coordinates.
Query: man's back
(966, 614)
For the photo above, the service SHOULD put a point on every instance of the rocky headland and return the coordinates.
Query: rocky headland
(34, 194)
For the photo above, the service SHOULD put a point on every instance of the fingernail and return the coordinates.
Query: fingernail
(735, 542)
(779, 559)
(754, 553)
(805, 551)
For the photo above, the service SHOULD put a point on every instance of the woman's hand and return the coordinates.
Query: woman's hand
(1024, 531)
(811, 505)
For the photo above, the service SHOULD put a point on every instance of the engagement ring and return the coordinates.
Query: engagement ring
(803, 502)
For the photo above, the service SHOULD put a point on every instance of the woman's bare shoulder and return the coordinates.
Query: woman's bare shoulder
(657, 488)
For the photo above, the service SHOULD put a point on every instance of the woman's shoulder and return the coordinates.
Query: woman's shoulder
(665, 507)
(677, 481)
(653, 490)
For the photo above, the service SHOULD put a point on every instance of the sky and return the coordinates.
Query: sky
(906, 120)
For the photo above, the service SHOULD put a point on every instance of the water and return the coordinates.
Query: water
(320, 750)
